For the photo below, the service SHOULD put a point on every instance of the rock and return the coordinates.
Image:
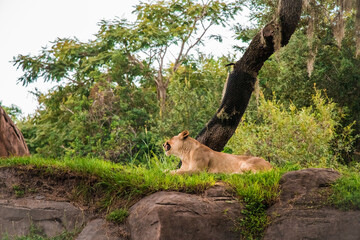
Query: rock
(302, 212)
(174, 215)
(17, 215)
(303, 184)
(99, 229)
(320, 224)
(12, 142)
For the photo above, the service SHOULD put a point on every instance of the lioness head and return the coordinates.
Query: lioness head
(175, 144)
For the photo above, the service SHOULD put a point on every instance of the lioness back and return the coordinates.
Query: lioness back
(256, 163)
(229, 163)
(197, 157)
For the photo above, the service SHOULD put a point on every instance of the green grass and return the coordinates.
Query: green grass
(118, 215)
(346, 191)
(257, 192)
(19, 191)
(130, 180)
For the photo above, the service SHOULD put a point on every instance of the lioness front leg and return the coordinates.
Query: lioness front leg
(180, 172)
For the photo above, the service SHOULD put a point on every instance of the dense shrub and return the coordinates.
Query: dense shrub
(107, 121)
(308, 136)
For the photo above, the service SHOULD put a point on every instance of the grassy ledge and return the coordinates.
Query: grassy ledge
(131, 180)
(128, 183)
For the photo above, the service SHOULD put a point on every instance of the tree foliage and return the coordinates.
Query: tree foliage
(121, 122)
(334, 69)
(112, 90)
(13, 111)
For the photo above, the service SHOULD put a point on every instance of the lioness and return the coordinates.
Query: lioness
(197, 157)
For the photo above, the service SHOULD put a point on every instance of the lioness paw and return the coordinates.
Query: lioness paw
(173, 172)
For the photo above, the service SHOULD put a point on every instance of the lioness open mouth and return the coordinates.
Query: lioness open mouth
(167, 146)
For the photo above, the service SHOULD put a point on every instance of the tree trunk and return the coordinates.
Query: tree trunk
(12, 142)
(161, 88)
(357, 27)
(241, 81)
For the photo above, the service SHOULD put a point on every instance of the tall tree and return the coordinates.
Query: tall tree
(241, 81)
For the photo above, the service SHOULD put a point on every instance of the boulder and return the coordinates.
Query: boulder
(12, 142)
(100, 229)
(302, 211)
(174, 215)
(303, 185)
(52, 218)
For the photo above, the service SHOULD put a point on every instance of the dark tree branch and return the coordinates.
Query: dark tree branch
(240, 83)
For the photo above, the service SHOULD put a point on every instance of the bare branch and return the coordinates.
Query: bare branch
(133, 59)
(67, 109)
(160, 60)
(74, 81)
(196, 42)
(180, 56)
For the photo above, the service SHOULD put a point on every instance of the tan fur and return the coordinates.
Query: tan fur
(197, 157)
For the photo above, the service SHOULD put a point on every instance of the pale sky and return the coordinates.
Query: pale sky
(28, 25)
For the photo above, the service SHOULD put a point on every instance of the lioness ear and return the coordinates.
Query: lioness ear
(184, 134)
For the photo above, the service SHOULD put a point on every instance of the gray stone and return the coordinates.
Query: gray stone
(99, 229)
(320, 224)
(17, 215)
(302, 211)
(174, 215)
(299, 185)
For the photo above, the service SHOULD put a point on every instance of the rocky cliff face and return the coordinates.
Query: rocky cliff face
(300, 213)
(12, 142)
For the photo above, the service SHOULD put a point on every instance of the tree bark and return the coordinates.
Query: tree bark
(241, 81)
(161, 88)
(12, 142)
